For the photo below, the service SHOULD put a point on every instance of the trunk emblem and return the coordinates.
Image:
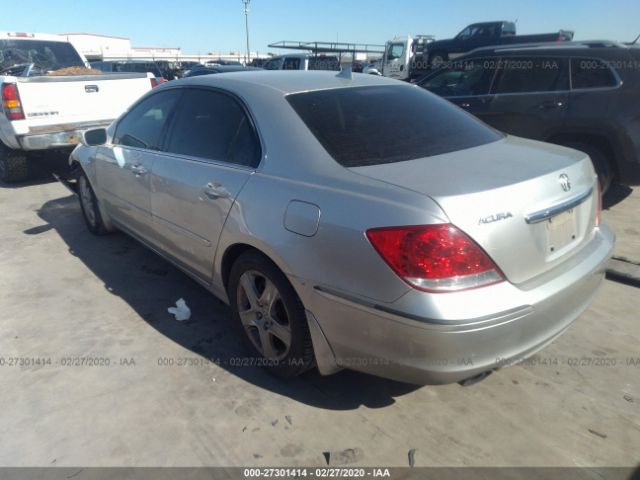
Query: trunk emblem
(496, 217)
(564, 182)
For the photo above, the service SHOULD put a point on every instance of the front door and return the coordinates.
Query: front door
(211, 152)
(123, 167)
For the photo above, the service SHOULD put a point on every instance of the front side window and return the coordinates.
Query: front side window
(529, 75)
(470, 31)
(143, 126)
(212, 125)
(461, 79)
(591, 73)
(362, 126)
(274, 64)
(396, 50)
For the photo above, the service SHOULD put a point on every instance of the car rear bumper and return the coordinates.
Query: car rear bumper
(429, 350)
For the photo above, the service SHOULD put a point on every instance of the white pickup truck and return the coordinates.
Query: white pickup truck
(49, 96)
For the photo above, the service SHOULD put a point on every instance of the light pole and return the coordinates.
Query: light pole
(246, 24)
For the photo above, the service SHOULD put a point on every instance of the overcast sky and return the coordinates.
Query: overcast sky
(200, 26)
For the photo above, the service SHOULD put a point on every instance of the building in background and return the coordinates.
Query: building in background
(107, 47)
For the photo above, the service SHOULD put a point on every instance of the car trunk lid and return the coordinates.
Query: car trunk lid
(529, 205)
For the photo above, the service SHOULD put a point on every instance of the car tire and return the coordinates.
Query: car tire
(437, 58)
(599, 161)
(14, 165)
(270, 314)
(89, 206)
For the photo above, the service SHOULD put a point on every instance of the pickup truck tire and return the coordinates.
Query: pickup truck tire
(599, 161)
(437, 58)
(89, 206)
(14, 166)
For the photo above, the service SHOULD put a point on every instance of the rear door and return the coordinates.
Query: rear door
(530, 96)
(124, 167)
(211, 152)
(465, 83)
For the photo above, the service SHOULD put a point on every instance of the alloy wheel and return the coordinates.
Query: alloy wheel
(264, 315)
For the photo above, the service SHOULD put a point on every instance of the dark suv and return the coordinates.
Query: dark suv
(581, 95)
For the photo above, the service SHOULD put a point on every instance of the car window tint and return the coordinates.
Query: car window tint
(461, 79)
(385, 124)
(591, 73)
(527, 75)
(291, 63)
(142, 126)
(214, 126)
(324, 63)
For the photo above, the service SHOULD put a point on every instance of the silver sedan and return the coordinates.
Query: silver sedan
(353, 221)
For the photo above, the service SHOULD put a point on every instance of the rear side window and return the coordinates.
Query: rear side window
(591, 73)
(528, 75)
(143, 126)
(291, 63)
(386, 124)
(212, 125)
(324, 63)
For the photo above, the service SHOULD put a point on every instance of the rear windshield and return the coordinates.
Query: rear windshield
(16, 55)
(386, 124)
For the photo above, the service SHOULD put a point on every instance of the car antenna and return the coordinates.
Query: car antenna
(635, 41)
(346, 68)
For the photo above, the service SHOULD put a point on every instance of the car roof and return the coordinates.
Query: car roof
(287, 82)
(563, 48)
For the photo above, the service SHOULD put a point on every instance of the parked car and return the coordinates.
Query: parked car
(141, 66)
(354, 221)
(302, 61)
(373, 67)
(204, 70)
(582, 95)
(49, 96)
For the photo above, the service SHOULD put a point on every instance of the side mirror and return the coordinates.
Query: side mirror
(94, 137)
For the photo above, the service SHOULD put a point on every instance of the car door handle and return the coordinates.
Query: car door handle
(215, 190)
(551, 104)
(138, 170)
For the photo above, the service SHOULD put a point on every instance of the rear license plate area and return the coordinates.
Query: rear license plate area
(562, 229)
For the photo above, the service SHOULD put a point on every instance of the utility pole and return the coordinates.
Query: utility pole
(247, 57)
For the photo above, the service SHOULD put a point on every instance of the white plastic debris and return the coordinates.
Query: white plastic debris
(180, 311)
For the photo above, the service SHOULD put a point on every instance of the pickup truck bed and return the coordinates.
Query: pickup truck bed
(56, 109)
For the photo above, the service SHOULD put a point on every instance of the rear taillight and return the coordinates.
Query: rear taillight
(599, 204)
(11, 102)
(435, 258)
(154, 82)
